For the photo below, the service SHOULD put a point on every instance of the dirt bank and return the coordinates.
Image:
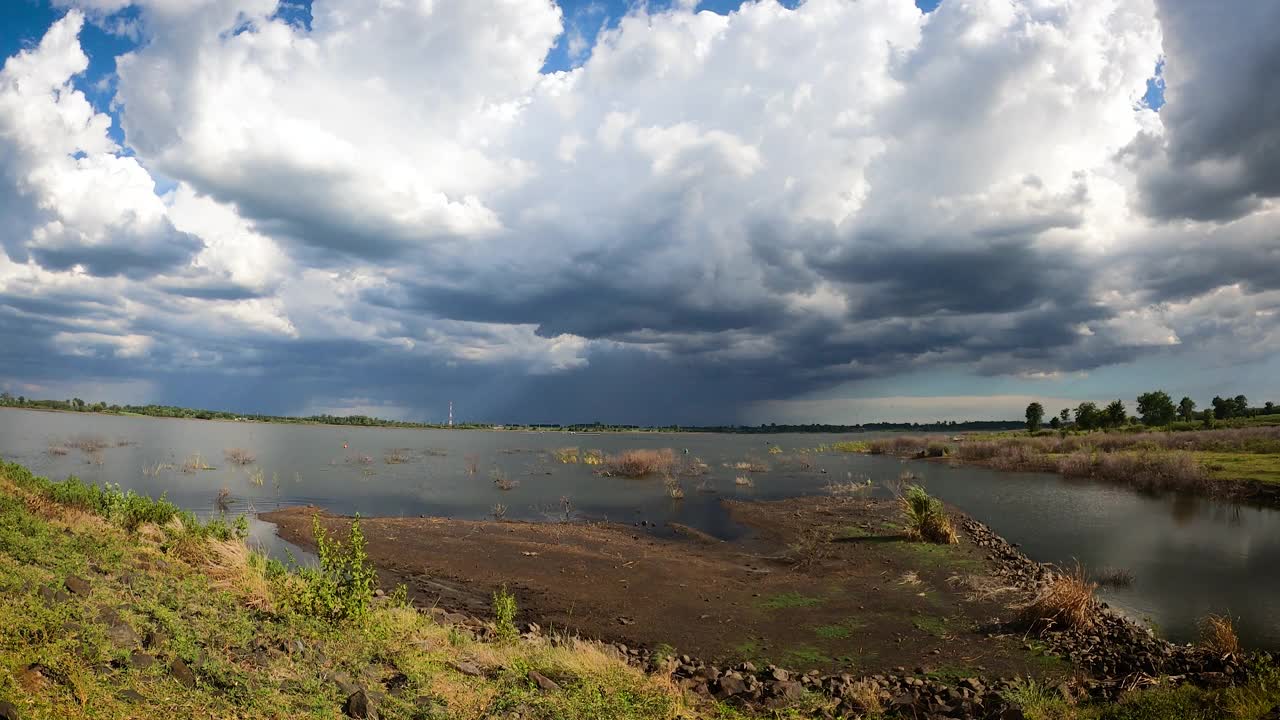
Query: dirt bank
(831, 583)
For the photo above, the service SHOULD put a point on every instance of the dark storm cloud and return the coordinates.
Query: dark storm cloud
(132, 256)
(1222, 73)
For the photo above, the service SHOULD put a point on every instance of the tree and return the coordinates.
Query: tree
(1241, 405)
(1269, 408)
(1065, 416)
(1114, 415)
(1223, 409)
(1035, 413)
(1088, 416)
(1055, 422)
(1186, 408)
(1156, 408)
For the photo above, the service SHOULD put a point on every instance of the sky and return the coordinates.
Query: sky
(666, 212)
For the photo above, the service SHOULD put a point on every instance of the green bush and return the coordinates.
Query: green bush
(504, 614)
(341, 588)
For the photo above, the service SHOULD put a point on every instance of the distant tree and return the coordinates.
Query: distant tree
(1055, 422)
(1065, 416)
(1114, 415)
(1186, 408)
(1223, 409)
(1269, 408)
(1088, 416)
(1035, 413)
(6, 398)
(22, 399)
(1241, 404)
(1156, 408)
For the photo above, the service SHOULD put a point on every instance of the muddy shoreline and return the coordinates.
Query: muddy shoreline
(828, 597)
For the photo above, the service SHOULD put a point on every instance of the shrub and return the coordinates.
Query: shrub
(340, 589)
(504, 615)
(639, 463)
(239, 456)
(925, 517)
(1218, 635)
(1065, 601)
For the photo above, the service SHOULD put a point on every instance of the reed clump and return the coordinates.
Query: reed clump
(1066, 601)
(639, 463)
(926, 520)
(239, 456)
(1218, 635)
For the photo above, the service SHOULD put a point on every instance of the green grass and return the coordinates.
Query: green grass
(932, 624)
(839, 631)
(805, 657)
(226, 614)
(1241, 466)
(787, 600)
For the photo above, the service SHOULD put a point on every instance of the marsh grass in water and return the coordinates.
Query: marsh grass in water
(639, 463)
(239, 456)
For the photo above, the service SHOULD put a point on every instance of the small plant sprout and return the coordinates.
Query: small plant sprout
(504, 615)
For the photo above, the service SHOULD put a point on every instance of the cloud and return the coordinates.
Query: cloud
(1219, 155)
(393, 205)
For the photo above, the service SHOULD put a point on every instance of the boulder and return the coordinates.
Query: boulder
(8, 711)
(140, 660)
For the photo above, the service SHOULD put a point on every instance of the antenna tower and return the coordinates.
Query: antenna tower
(450, 413)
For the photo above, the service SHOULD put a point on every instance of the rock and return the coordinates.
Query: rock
(731, 683)
(132, 696)
(467, 668)
(77, 586)
(778, 673)
(1012, 712)
(344, 682)
(122, 636)
(140, 660)
(357, 705)
(8, 711)
(154, 639)
(182, 673)
(788, 690)
(542, 681)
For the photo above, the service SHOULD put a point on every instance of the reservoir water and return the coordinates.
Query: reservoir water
(1188, 556)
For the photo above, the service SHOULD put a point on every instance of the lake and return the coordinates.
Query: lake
(1189, 556)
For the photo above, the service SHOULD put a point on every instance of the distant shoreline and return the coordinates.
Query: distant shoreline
(810, 429)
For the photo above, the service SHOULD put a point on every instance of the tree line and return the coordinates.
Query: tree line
(1154, 409)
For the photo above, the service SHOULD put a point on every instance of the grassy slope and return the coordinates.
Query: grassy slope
(209, 603)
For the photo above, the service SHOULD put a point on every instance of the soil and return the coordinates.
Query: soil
(827, 583)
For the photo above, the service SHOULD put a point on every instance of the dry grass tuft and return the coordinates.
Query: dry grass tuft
(502, 482)
(235, 569)
(674, 489)
(567, 456)
(848, 487)
(744, 481)
(194, 464)
(925, 517)
(639, 463)
(1218, 635)
(866, 695)
(239, 456)
(751, 465)
(57, 450)
(223, 500)
(398, 456)
(1065, 602)
(472, 464)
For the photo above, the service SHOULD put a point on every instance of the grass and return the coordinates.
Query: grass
(239, 456)
(1066, 601)
(933, 625)
(851, 446)
(788, 600)
(209, 604)
(1218, 635)
(639, 463)
(1257, 467)
(839, 631)
(1114, 577)
(1192, 460)
(925, 518)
